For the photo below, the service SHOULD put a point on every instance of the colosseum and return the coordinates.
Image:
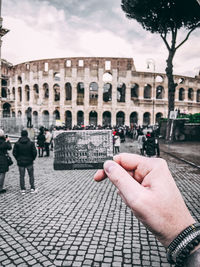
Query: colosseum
(91, 90)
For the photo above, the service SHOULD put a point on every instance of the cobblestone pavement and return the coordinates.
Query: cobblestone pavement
(74, 221)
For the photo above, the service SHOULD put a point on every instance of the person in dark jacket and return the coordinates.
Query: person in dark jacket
(41, 142)
(5, 145)
(150, 145)
(25, 153)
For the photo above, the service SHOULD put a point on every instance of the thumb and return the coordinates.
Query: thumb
(125, 183)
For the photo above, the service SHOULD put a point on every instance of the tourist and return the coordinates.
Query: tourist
(5, 145)
(41, 142)
(141, 140)
(116, 143)
(25, 153)
(147, 187)
(47, 143)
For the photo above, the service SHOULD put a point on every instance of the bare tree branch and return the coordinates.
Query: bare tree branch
(187, 36)
(164, 37)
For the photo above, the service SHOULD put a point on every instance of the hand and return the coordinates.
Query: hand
(147, 187)
(7, 139)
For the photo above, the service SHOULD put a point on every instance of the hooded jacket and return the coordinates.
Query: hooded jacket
(4, 147)
(24, 151)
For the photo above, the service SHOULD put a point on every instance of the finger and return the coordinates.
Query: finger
(129, 187)
(100, 175)
(139, 165)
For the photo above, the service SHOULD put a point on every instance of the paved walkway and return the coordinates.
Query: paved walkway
(74, 221)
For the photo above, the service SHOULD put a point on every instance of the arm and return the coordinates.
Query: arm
(34, 151)
(15, 154)
(143, 183)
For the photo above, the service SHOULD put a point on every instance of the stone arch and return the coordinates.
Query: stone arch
(147, 91)
(36, 91)
(133, 118)
(80, 93)
(6, 110)
(27, 92)
(106, 118)
(107, 92)
(56, 76)
(4, 90)
(68, 91)
(93, 93)
(107, 77)
(121, 92)
(35, 119)
(56, 90)
(19, 113)
(159, 92)
(159, 115)
(45, 118)
(20, 94)
(93, 116)
(45, 90)
(56, 115)
(120, 118)
(146, 118)
(80, 118)
(19, 79)
(135, 90)
(159, 79)
(181, 80)
(68, 119)
(190, 94)
(198, 95)
(13, 93)
(181, 94)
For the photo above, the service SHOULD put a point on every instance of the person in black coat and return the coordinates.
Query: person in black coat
(150, 145)
(5, 145)
(41, 142)
(25, 153)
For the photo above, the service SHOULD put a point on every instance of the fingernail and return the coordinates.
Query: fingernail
(108, 166)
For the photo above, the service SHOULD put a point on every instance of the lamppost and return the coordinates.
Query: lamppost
(151, 61)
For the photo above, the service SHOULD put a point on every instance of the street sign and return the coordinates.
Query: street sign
(173, 115)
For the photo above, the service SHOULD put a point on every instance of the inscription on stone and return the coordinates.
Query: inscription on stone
(84, 149)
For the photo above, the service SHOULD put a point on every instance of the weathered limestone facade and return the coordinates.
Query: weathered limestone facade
(94, 91)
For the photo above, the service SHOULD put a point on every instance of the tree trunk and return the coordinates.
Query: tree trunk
(171, 90)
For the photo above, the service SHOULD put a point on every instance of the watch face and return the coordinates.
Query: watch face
(83, 149)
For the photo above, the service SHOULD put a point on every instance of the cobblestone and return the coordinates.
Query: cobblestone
(73, 221)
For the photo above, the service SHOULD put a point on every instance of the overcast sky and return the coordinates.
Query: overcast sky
(42, 29)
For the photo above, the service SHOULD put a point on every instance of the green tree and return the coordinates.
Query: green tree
(166, 17)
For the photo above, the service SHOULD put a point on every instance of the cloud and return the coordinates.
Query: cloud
(57, 28)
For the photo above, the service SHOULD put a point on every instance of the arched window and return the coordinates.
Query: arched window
(93, 93)
(27, 92)
(135, 90)
(46, 90)
(106, 118)
(146, 118)
(45, 118)
(19, 113)
(159, 92)
(190, 94)
(147, 91)
(56, 76)
(13, 93)
(20, 94)
(93, 118)
(121, 92)
(68, 119)
(6, 110)
(198, 95)
(159, 115)
(107, 92)
(80, 93)
(120, 118)
(3, 92)
(56, 115)
(56, 89)
(133, 118)
(181, 95)
(35, 118)
(68, 91)
(80, 118)
(36, 91)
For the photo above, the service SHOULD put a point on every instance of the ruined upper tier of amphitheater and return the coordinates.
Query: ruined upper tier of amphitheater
(92, 90)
